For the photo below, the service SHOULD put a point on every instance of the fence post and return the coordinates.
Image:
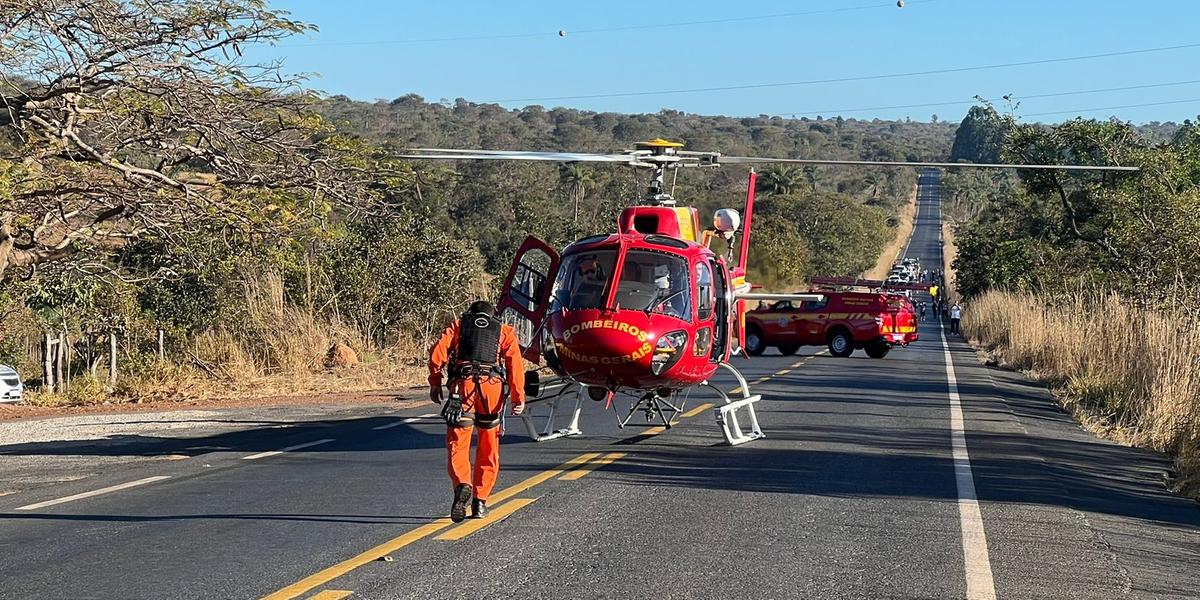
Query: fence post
(162, 347)
(69, 349)
(112, 359)
(48, 364)
(59, 355)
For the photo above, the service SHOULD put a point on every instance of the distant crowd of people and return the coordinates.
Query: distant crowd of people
(943, 307)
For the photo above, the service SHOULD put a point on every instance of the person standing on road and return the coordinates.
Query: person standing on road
(483, 360)
(955, 315)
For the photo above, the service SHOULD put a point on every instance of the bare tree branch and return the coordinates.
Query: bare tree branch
(123, 117)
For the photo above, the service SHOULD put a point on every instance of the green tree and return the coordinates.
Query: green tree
(397, 275)
(779, 180)
(980, 137)
(1135, 233)
(836, 234)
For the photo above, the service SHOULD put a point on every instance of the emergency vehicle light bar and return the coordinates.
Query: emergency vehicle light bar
(870, 283)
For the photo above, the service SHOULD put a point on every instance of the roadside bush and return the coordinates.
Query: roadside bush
(86, 390)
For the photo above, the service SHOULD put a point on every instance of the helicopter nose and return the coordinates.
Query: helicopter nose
(605, 343)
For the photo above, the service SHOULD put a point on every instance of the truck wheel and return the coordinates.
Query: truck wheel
(755, 345)
(788, 349)
(877, 349)
(841, 344)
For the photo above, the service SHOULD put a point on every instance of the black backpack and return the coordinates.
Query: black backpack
(478, 341)
(477, 355)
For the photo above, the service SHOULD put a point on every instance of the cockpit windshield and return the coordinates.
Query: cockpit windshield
(650, 281)
(582, 280)
(655, 282)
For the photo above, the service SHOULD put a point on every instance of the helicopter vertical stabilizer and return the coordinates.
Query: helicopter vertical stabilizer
(738, 273)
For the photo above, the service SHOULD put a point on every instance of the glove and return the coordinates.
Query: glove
(517, 409)
(435, 394)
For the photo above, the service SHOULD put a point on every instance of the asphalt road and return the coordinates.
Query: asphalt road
(857, 491)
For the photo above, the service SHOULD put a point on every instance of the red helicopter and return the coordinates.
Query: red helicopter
(651, 310)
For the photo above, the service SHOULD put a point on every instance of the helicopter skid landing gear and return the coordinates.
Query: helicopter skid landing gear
(548, 432)
(727, 414)
(652, 404)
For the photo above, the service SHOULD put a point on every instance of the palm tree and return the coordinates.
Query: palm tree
(813, 176)
(872, 181)
(779, 180)
(576, 178)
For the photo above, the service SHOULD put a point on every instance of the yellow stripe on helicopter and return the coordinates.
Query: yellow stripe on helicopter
(660, 143)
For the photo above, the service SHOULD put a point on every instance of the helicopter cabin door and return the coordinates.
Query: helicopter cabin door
(723, 313)
(526, 293)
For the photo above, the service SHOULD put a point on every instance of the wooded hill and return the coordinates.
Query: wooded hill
(498, 204)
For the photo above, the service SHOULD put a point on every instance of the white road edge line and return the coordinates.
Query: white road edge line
(112, 488)
(403, 422)
(974, 541)
(288, 449)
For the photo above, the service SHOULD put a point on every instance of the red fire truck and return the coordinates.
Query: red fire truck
(844, 321)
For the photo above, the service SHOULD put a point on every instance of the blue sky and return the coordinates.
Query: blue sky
(366, 50)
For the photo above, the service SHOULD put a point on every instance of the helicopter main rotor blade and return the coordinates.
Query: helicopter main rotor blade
(460, 154)
(754, 160)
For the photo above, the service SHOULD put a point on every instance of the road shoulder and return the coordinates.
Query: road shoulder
(1045, 482)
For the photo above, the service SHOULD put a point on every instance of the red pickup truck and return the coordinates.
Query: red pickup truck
(844, 321)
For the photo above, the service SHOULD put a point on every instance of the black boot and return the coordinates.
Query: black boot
(479, 509)
(462, 497)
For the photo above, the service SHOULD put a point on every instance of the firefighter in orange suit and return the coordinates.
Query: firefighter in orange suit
(483, 361)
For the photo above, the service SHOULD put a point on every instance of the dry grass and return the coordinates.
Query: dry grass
(891, 252)
(276, 349)
(1130, 373)
(272, 348)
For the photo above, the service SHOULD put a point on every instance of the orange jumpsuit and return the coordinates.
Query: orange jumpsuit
(487, 399)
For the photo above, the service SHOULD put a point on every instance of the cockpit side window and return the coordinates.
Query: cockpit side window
(656, 282)
(704, 290)
(582, 280)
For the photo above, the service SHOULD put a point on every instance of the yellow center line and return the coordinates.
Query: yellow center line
(473, 525)
(331, 595)
(797, 364)
(592, 466)
(511, 491)
(330, 573)
(699, 409)
(783, 372)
